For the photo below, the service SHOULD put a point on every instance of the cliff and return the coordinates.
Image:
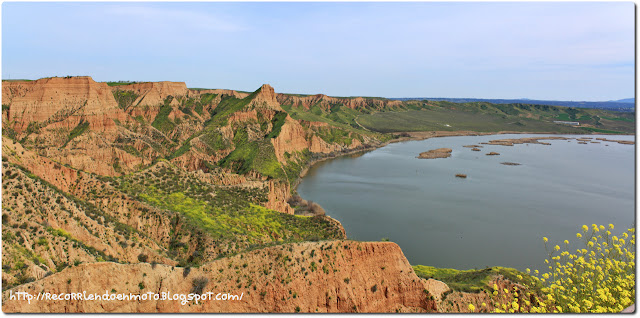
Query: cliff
(326, 102)
(329, 277)
(265, 97)
(154, 93)
(59, 103)
(100, 180)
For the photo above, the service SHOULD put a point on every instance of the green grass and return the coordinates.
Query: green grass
(631, 120)
(444, 119)
(182, 150)
(120, 83)
(277, 121)
(125, 99)
(226, 108)
(564, 117)
(344, 118)
(214, 141)
(256, 155)
(605, 131)
(229, 215)
(473, 280)
(162, 121)
(81, 128)
(335, 135)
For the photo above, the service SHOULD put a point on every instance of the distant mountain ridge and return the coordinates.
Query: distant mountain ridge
(625, 100)
(625, 105)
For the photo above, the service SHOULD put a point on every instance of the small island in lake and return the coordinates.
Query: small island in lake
(436, 153)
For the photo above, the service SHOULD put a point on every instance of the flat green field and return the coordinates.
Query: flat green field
(452, 120)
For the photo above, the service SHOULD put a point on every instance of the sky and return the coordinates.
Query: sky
(581, 51)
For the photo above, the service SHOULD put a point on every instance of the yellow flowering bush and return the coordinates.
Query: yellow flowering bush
(598, 277)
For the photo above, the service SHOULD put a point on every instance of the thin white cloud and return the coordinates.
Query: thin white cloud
(167, 17)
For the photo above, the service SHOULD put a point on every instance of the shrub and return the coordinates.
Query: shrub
(199, 285)
(142, 257)
(599, 277)
(316, 209)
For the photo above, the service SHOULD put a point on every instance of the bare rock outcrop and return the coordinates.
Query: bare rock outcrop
(293, 137)
(265, 97)
(326, 102)
(334, 276)
(153, 93)
(278, 197)
(60, 103)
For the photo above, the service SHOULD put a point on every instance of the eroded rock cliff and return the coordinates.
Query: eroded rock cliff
(332, 276)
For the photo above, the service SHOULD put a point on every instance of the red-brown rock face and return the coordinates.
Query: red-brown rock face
(265, 98)
(334, 276)
(292, 138)
(154, 93)
(326, 102)
(61, 102)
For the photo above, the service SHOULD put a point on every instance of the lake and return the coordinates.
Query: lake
(497, 216)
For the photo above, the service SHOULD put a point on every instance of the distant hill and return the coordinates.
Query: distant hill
(626, 100)
(624, 105)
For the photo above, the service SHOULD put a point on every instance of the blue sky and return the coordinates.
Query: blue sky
(538, 50)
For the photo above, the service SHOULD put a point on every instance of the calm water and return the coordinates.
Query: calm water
(497, 216)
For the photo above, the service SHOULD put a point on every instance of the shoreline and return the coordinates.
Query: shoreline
(424, 135)
(417, 136)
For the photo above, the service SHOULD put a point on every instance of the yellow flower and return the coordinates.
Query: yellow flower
(610, 226)
(602, 227)
(557, 248)
(566, 242)
(472, 307)
(545, 239)
(585, 228)
(484, 305)
(578, 235)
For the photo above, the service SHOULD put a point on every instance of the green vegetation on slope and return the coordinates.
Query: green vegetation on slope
(340, 118)
(124, 98)
(453, 120)
(277, 121)
(256, 155)
(486, 117)
(474, 280)
(230, 215)
(120, 83)
(162, 121)
(77, 131)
